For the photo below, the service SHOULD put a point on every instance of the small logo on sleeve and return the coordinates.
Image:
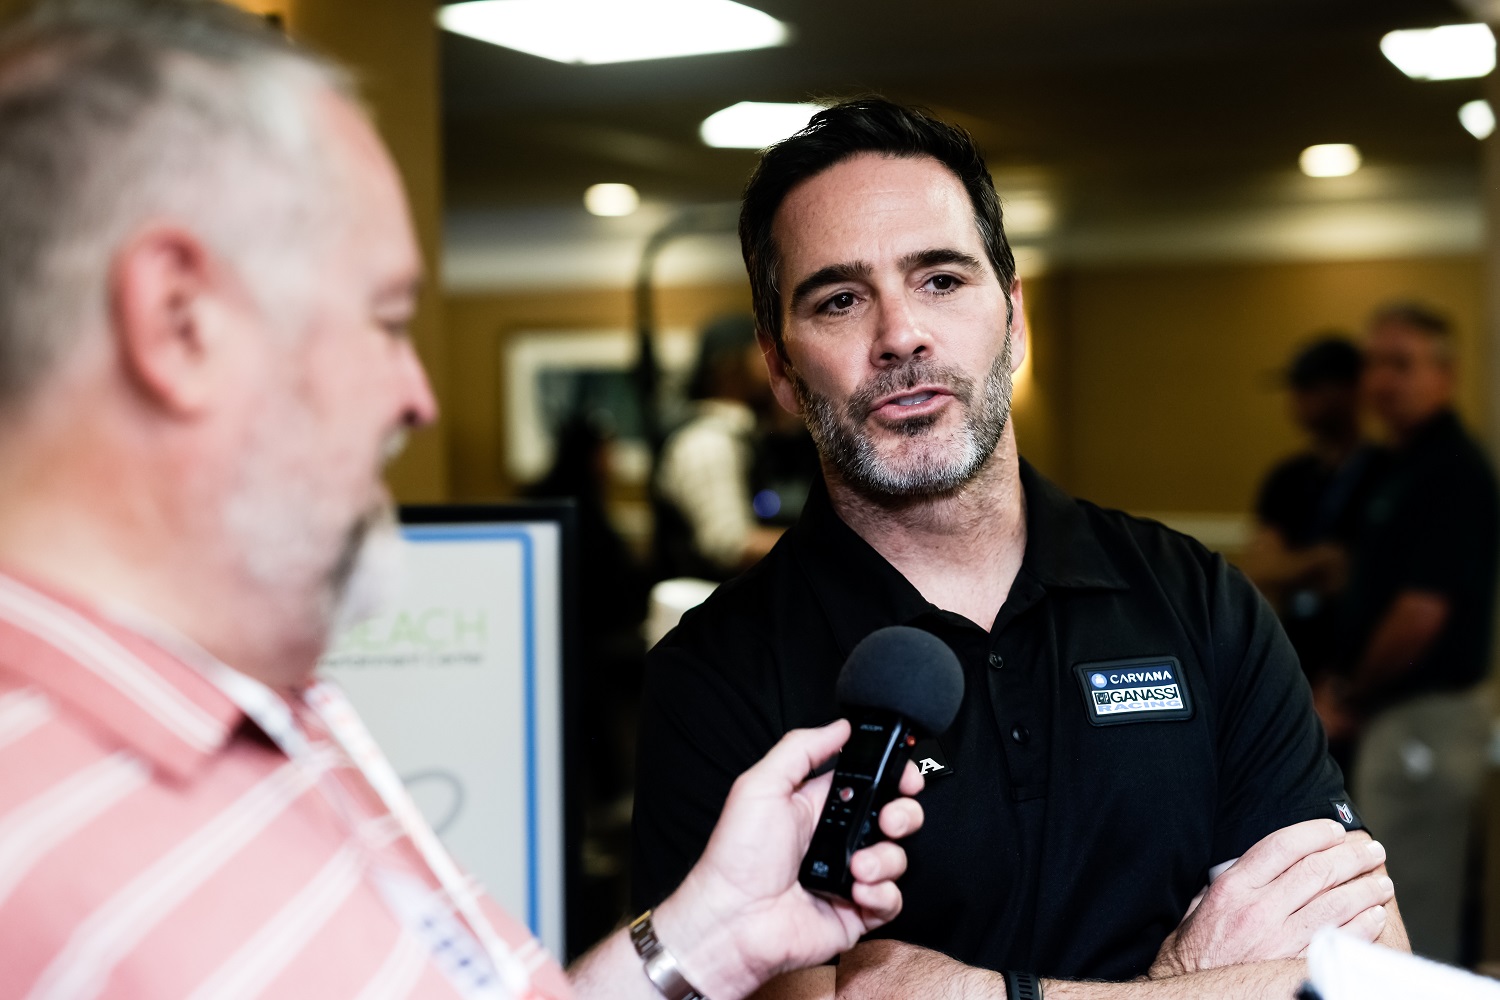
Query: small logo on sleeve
(1143, 689)
(1343, 811)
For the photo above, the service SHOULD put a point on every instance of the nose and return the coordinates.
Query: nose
(419, 405)
(899, 336)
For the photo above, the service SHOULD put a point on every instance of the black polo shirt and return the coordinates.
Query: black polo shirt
(1432, 525)
(1058, 840)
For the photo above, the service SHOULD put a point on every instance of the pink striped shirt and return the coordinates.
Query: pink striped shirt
(155, 843)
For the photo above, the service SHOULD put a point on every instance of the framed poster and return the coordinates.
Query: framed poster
(461, 683)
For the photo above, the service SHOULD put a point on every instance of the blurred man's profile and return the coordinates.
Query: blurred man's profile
(207, 275)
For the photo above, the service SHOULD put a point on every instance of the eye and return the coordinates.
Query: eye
(842, 302)
(943, 282)
(398, 329)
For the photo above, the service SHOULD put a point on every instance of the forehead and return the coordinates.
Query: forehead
(871, 208)
(1394, 337)
(378, 220)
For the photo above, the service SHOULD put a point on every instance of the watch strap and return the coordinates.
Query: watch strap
(1022, 986)
(661, 966)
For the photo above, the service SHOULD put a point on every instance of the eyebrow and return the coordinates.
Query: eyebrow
(830, 275)
(938, 256)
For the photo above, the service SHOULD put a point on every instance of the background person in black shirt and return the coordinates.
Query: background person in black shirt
(1061, 839)
(1420, 606)
(1310, 504)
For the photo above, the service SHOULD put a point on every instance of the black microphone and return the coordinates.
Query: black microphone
(899, 683)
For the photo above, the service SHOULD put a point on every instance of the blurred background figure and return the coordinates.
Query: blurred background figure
(1419, 611)
(707, 524)
(1309, 505)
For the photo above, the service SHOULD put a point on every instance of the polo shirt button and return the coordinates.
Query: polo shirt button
(997, 661)
(1020, 734)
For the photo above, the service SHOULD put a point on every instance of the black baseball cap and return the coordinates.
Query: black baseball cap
(1332, 358)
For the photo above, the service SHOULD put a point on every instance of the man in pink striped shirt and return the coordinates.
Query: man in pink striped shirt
(206, 276)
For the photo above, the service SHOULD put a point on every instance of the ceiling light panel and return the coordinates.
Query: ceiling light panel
(1451, 52)
(590, 32)
(1330, 159)
(755, 124)
(611, 200)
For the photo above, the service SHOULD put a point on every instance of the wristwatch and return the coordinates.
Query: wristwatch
(661, 965)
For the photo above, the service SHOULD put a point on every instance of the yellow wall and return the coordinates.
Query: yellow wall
(1149, 388)
(1165, 395)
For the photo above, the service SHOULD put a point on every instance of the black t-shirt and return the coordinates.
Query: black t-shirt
(1432, 525)
(1133, 717)
(1308, 501)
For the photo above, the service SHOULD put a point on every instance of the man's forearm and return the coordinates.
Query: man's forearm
(893, 971)
(612, 969)
(1404, 635)
(1256, 981)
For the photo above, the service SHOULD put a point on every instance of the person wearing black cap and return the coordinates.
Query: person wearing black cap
(1309, 505)
(1133, 719)
(1419, 619)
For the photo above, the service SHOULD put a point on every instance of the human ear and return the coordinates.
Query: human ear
(1019, 334)
(162, 283)
(776, 371)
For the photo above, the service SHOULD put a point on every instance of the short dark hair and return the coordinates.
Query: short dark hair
(725, 341)
(867, 125)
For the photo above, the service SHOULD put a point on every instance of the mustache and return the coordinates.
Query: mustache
(908, 375)
(393, 445)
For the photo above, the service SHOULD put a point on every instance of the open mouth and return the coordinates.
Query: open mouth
(913, 399)
(911, 403)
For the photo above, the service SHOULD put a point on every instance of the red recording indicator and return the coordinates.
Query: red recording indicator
(846, 793)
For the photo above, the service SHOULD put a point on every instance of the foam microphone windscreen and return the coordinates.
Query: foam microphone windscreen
(908, 671)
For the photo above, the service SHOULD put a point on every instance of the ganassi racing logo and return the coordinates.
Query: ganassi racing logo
(1134, 695)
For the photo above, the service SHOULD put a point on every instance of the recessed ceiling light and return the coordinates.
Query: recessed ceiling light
(609, 31)
(755, 124)
(1027, 214)
(1478, 117)
(611, 199)
(1330, 159)
(1452, 52)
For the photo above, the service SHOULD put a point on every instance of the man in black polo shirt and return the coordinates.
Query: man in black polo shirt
(1420, 603)
(1063, 838)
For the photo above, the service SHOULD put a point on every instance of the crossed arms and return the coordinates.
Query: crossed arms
(1243, 936)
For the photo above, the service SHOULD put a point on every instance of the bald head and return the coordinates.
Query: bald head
(119, 114)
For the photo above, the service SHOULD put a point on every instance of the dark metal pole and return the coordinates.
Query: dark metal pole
(703, 219)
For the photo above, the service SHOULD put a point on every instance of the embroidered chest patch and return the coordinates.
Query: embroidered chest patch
(1143, 689)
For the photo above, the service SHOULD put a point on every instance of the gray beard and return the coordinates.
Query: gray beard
(367, 579)
(844, 442)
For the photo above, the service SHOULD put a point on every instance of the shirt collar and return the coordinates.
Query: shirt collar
(122, 684)
(860, 591)
(1063, 549)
